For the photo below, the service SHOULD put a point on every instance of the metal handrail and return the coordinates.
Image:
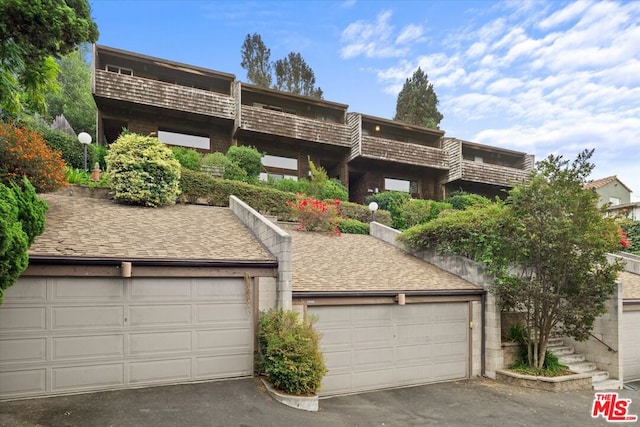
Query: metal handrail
(604, 343)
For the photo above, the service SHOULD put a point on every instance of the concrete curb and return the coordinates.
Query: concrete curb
(306, 403)
(561, 383)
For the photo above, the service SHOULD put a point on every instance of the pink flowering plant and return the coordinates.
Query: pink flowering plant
(316, 215)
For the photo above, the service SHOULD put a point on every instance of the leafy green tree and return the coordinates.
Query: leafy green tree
(417, 102)
(295, 76)
(74, 99)
(546, 246)
(256, 59)
(248, 158)
(32, 34)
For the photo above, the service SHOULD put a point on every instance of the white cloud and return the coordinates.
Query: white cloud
(378, 39)
(569, 13)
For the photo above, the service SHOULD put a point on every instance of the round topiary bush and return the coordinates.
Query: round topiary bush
(143, 171)
(248, 158)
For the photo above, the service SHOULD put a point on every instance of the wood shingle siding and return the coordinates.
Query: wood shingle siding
(138, 90)
(260, 120)
(492, 174)
(403, 152)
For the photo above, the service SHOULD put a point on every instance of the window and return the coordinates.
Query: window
(280, 162)
(614, 201)
(276, 177)
(119, 70)
(393, 184)
(184, 140)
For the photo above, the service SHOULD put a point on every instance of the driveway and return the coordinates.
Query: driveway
(476, 402)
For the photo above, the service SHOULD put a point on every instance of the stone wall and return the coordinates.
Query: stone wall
(276, 240)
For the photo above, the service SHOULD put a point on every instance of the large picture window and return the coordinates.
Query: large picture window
(183, 139)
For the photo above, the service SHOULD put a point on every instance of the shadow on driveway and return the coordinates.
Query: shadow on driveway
(476, 402)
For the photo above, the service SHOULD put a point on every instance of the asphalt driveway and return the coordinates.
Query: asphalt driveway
(476, 402)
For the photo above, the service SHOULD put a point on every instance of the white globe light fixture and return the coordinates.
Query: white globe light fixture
(373, 207)
(85, 139)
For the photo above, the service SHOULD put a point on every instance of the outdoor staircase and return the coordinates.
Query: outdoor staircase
(579, 364)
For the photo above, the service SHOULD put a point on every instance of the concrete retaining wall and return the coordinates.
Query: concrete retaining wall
(276, 240)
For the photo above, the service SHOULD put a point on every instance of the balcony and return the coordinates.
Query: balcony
(487, 173)
(270, 122)
(138, 90)
(402, 152)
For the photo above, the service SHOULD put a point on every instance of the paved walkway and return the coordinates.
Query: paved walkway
(477, 402)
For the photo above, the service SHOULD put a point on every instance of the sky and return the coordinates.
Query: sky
(539, 77)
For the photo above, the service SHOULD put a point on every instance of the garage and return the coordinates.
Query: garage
(631, 341)
(62, 335)
(372, 347)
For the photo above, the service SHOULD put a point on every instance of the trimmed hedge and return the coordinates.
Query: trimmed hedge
(352, 226)
(216, 191)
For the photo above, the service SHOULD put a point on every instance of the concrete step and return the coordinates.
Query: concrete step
(571, 358)
(555, 342)
(599, 376)
(607, 385)
(561, 350)
(581, 367)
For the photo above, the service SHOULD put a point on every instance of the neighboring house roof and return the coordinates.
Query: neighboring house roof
(600, 183)
(630, 285)
(96, 228)
(353, 262)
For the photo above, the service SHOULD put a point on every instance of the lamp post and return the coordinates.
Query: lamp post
(85, 139)
(373, 207)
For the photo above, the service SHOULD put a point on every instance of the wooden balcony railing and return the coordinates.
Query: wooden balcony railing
(402, 152)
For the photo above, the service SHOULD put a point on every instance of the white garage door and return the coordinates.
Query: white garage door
(69, 335)
(370, 347)
(631, 345)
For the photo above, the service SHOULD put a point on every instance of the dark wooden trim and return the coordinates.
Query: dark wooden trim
(631, 305)
(145, 271)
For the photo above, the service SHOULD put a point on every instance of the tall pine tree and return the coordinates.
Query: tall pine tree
(417, 102)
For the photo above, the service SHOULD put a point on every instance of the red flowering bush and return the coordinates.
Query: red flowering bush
(24, 152)
(316, 215)
(624, 240)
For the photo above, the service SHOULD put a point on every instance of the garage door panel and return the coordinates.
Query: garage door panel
(368, 336)
(223, 340)
(157, 315)
(160, 371)
(213, 313)
(374, 356)
(87, 317)
(160, 289)
(23, 382)
(229, 365)
(23, 350)
(22, 319)
(83, 347)
(31, 289)
(84, 377)
(631, 340)
(219, 289)
(159, 343)
(416, 344)
(77, 288)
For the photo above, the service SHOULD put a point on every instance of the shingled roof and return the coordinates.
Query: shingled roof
(86, 227)
(353, 262)
(630, 285)
(600, 183)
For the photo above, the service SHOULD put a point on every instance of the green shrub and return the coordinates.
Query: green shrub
(31, 210)
(418, 211)
(632, 229)
(22, 218)
(292, 185)
(289, 352)
(188, 157)
(23, 152)
(333, 189)
(317, 179)
(352, 226)
(248, 158)
(392, 201)
(461, 200)
(230, 170)
(362, 213)
(70, 148)
(143, 171)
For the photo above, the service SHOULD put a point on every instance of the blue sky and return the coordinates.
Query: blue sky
(534, 76)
